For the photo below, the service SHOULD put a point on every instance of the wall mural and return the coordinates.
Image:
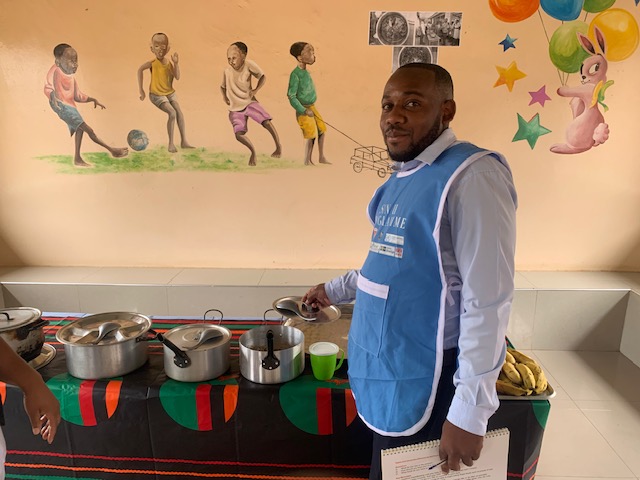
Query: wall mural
(575, 46)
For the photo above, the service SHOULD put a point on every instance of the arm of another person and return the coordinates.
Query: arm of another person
(338, 290)
(481, 210)
(292, 94)
(41, 405)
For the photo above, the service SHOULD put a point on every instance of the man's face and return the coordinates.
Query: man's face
(68, 62)
(307, 56)
(159, 46)
(413, 113)
(235, 57)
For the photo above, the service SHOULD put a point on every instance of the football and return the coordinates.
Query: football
(137, 140)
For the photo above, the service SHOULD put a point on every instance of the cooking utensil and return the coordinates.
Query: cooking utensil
(207, 348)
(22, 329)
(114, 355)
(294, 307)
(271, 354)
(95, 336)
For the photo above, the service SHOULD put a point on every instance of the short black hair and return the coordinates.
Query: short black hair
(241, 46)
(296, 48)
(443, 80)
(160, 33)
(59, 49)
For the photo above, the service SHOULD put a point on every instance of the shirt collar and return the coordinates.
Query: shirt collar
(429, 154)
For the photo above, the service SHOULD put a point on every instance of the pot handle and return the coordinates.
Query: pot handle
(6, 315)
(264, 316)
(181, 359)
(213, 310)
(270, 362)
(23, 332)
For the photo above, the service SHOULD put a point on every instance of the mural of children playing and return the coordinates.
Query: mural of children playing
(302, 97)
(61, 88)
(239, 95)
(161, 91)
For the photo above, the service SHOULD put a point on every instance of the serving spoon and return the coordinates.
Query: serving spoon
(96, 336)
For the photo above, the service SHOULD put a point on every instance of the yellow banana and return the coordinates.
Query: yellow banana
(534, 367)
(509, 358)
(528, 380)
(512, 374)
(519, 356)
(508, 388)
(541, 383)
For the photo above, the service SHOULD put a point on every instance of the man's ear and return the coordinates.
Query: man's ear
(448, 110)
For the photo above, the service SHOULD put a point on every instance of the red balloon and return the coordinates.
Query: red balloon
(513, 10)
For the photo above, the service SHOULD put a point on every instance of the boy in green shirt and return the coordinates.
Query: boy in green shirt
(302, 96)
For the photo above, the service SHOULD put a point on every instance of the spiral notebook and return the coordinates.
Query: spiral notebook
(413, 462)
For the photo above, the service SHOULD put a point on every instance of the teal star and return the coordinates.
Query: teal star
(509, 42)
(530, 131)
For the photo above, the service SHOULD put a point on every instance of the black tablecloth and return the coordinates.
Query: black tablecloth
(145, 425)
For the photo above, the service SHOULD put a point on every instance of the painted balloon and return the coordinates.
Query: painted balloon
(565, 50)
(595, 6)
(565, 10)
(513, 10)
(620, 31)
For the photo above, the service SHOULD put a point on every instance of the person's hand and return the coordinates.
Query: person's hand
(317, 297)
(458, 445)
(96, 103)
(174, 58)
(308, 112)
(142, 95)
(54, 101)
(43, 410)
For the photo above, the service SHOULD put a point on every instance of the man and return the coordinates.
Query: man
(427, 338)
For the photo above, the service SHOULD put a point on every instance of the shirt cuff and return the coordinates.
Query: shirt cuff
(470, 418)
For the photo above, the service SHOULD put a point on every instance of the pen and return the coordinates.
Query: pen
(437, 464)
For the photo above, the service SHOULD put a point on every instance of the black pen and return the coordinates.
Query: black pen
(437, 464)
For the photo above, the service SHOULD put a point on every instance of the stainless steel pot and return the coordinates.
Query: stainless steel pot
(22, 329)
(271, 354)
(206, 347)
(105, 345)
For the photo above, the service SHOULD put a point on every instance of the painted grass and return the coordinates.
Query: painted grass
(158, 159)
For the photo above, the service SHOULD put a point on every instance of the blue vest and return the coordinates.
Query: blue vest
(396, 335)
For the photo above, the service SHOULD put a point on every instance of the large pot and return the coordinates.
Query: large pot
(105, 345)
(22, 329)
(271, 354)
(206, 348)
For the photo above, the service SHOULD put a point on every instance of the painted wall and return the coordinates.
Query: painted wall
(207, 208)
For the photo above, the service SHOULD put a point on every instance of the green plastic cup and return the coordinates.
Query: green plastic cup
(324, 356)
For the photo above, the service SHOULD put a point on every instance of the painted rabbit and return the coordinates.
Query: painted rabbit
(588, 128)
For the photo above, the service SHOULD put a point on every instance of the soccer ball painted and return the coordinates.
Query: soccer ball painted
(137, 140)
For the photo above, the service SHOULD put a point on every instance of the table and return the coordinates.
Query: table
(144, 425)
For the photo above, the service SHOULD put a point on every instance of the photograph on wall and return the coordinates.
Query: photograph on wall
(413, 54)
(415, 28)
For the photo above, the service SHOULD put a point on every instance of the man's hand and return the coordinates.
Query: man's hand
(43, 409)
(175, 58)
(458, 445)
(317, 297)
(96, 103)
(308, 112)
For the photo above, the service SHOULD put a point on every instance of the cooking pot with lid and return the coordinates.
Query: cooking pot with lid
(206, 347)
(105, 345)
(271, 354)
(22, 329)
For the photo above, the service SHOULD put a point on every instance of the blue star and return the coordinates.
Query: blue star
(530, 131)
(508, 42)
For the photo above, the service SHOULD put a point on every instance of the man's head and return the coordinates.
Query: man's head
(236, 54)
(160, 45)
(66, 58)
(303, 52)
(417, 106)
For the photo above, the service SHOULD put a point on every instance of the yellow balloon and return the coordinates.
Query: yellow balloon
(620, 31)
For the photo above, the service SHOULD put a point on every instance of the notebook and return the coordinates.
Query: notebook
(412, 462)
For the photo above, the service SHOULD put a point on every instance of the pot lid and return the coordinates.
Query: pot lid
(198, 336)
(12, 318)
(104, 329)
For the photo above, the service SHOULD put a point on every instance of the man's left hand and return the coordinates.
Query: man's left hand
(458, 445)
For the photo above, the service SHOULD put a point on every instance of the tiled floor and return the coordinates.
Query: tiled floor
(593, 431)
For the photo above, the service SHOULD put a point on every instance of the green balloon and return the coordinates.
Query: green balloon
(595, 6)
(565, 51)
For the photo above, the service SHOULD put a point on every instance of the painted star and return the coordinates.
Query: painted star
(508, 76)
(530, 131)
(540, 96)
(508, 42)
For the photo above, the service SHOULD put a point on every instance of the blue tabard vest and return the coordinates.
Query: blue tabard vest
(396, 335)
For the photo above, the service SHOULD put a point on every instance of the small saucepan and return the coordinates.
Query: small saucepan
(22, 329)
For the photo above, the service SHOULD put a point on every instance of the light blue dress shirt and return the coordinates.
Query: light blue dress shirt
(477, 244)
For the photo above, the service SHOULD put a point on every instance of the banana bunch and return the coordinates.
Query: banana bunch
(520, 375)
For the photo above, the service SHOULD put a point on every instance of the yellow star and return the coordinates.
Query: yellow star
(509, 75)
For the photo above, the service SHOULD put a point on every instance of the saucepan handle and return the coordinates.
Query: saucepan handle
(181, 359)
